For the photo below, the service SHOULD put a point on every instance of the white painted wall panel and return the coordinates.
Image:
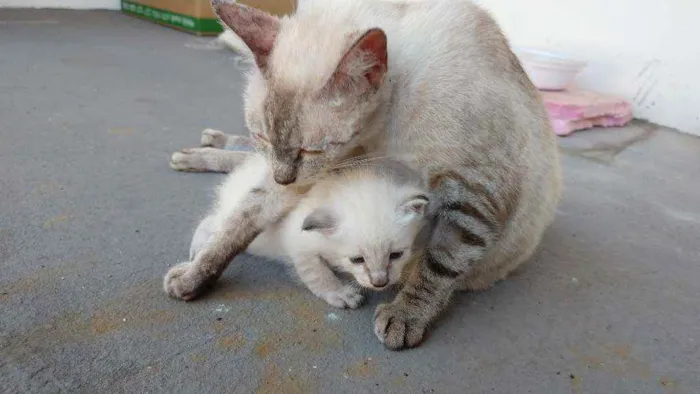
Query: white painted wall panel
(645, 50)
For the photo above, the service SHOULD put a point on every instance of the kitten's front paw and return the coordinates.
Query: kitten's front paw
(214, 138)
(347, 297)
(183, 281)
(397, 327)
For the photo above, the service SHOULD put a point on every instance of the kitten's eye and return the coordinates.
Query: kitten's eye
(357, 260)
(395, 255)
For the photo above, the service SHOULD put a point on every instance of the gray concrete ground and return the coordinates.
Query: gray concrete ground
(91, 106)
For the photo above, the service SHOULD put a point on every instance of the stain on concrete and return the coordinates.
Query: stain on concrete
(307, 334)
(219, 326)
(310, 332)
(606, 151)
(274, 380)
(43, 277)
(83, 327)
(231, 342)
(106, 321)
(622, 351)
(267, 345)
(362, 369)
(52, 222)
(576, 384)
(198, 358)
(666, 383)
(615, 359)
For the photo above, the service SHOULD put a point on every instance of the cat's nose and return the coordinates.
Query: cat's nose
(379, 281)
(285, 180)
(283, 171)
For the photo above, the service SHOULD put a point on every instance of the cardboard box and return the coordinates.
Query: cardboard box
(195, 16)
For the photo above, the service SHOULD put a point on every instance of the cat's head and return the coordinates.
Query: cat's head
(311, 99)
(369, 230)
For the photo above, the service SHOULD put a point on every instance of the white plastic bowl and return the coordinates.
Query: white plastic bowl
(548, 70)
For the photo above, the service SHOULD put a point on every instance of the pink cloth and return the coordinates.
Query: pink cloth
(572, 110)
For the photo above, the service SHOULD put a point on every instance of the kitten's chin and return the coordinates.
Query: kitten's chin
(365, 283)
(378, 289)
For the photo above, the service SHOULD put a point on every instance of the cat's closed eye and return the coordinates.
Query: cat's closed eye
(261, 138)
(357, 260)
(310, 152)
(395, 255)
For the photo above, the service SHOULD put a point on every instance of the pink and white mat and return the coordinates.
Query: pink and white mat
(572, 110)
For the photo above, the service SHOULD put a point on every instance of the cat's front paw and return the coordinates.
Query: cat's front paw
(346, 297)
(190, 160)
(397, 327)
(214, 138)
(183, 281)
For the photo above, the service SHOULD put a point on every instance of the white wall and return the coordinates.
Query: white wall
(77, 4)
(645, 50)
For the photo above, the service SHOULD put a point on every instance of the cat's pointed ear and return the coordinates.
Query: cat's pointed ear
(413, 208)
(321, 220)
(364, 65)
(256, 28)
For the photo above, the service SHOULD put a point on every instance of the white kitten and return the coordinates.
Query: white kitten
(362, 221)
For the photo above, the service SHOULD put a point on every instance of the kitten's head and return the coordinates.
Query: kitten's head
(369, 226)
(313, 97)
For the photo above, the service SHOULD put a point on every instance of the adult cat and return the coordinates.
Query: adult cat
(432, 83)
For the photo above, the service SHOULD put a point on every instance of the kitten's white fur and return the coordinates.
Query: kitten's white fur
(372, 217)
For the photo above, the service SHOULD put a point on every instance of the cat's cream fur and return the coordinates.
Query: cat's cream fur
(433, 83)
(364, 213)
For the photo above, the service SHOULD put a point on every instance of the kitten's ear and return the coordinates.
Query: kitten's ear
(320, 220)
(364, 65)
(413, 208)
(256, 28)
